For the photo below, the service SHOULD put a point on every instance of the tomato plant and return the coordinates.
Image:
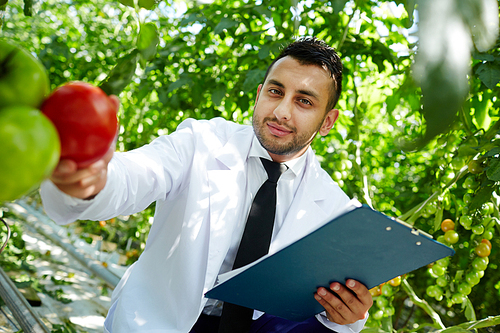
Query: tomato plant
(85, 119)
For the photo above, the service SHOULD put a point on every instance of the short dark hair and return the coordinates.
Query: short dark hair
(313, 51)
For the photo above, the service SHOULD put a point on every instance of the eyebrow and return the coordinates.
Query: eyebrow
(301, 91)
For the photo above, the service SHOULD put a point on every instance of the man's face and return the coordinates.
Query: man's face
(290, 108)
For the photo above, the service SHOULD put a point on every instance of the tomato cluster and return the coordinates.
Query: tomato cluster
(383, 296)
(462, 213)
(77, 121)
(471, 232)
(30, 145)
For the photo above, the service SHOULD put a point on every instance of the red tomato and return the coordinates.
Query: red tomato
(85, 119)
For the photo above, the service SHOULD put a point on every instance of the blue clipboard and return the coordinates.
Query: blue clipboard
(361, 244)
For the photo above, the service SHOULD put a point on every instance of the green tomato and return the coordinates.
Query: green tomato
(464, 288)
(472, 278)
(466, 221)
(23, 79)
(470, 183)
(377, 315)
(382, 302)
(480, 263)
(457, 163)
(386, 290)
(434, 291)
(488, 234)
(451, 236)
(458, 298)
(475, 167)
(442, 281)
(444, 262)
(30, 150)
(467, 198)
(389, 311)
(478, 229)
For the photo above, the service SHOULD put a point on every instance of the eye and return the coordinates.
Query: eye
(305, 101)
(274, 91)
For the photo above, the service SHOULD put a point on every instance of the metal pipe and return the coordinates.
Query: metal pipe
(44, 229)
(19, 307)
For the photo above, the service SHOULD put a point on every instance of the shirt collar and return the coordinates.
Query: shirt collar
(296, 165)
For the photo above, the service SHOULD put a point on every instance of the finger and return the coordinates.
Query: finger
(354, 298)
(335, 309)
(67, 178)
(362, 293)
(87, 187)
(65, 167)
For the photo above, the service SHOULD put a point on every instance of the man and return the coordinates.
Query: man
(203, 178)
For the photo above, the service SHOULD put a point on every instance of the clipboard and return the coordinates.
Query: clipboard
(360, 244)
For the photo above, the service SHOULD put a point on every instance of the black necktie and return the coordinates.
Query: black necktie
(254, 244)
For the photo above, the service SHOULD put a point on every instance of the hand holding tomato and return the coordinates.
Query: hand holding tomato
(83, 183)
(86, 182)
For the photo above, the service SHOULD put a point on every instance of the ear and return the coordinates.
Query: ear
(259, 88)
(330, 119)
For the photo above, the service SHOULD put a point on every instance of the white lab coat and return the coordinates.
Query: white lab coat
(196, 175)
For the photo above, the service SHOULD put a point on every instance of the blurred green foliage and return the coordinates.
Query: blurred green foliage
(417, 107)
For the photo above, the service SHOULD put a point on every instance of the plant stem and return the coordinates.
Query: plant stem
(422, 304)
(410, 216)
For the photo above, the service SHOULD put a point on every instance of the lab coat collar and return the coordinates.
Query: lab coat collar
(305, 212)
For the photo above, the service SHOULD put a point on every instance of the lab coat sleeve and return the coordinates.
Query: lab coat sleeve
(135, 180)
(349, 328)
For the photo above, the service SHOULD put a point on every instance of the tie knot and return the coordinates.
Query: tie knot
(273, 169)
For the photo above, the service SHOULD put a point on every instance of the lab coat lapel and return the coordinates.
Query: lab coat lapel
(305, 212)
(227, 193)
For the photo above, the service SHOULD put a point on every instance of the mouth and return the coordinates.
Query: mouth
(278, 130)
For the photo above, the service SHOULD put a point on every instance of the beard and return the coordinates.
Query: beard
(273, 145)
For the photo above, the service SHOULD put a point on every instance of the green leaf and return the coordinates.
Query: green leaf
(121, 75)
(483, 195)
(28, 7)
(3, 3)
(218, 94)
(183, 80)
(493, 171)
(438, 218)
(147, 41)
(225, 23)
(481, 108)
(494, 151)
(146, 4)
(481, 16)
(338, 5)
(469, 312)
(489, 74)
(253, 78)
(264, 51)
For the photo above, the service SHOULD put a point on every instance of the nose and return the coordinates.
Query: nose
(283, 110)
